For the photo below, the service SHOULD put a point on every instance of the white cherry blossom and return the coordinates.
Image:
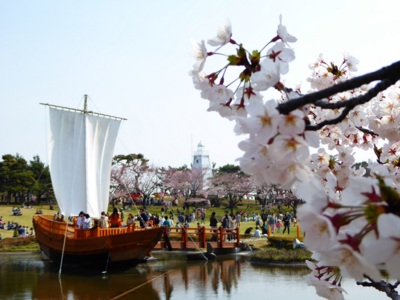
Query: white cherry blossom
(219, 94)
(288, 173)
(350, 262)
(199, 52)
(286, 147)
(315, 193)
(359, 190)
(292, 123)
(312, 139)
(346, 155)
(267, 77)
(320, 233)
(256, 160)
(320, 159)
(324, 289)
(390, 152)
(281, 56)
(283, 34)
(326, 280)
(263, 120)
(224, 34)
(386, 249)
(351, 62)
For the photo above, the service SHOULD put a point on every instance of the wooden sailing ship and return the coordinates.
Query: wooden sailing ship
(80, 156)
(63, 243)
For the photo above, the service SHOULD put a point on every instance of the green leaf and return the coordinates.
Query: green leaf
(234, 60)
(255, 57)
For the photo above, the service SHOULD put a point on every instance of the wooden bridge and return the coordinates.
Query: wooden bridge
(187, 238)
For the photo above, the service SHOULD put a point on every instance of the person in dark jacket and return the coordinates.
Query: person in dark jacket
(214, 224)
(286, 223)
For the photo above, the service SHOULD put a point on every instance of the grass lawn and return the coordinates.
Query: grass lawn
(24, 220)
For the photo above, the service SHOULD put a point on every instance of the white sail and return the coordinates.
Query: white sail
(80, 154)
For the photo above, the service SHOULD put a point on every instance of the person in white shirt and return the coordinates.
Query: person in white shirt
(87, 222)
(103, 221)
(130, 221)
(257, 233)
(79, 221)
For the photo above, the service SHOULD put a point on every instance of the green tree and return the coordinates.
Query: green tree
(229, 169)
(42, 189)
(16, 179)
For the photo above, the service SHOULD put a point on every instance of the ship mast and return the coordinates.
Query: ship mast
(85, 104)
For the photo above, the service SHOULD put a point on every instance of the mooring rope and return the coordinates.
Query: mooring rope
(196, 247)
(139, 286)
(63, 250)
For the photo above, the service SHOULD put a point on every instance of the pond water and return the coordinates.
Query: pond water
(26, 276)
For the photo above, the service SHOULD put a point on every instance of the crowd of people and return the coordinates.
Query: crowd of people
(16, 211)
(116, 219)
(274, 221)
(18, 229)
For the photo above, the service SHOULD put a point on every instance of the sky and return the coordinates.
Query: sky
(132, 59)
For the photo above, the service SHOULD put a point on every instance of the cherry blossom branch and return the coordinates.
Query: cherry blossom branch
(276, 150)
(390, 73)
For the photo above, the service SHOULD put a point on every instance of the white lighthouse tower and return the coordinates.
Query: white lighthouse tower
(201, 160)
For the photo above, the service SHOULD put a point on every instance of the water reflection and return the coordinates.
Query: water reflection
(27, 277)
(200, 276)
(231, 277)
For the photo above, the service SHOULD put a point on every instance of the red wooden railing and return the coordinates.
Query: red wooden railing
(99, 232)
(190, 238)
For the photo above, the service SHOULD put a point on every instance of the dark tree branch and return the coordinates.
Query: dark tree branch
(390, 73)
(350, 104)
(383, 286)
(353, 102)
(367, 131)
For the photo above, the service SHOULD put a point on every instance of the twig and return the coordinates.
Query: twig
(383, 286)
